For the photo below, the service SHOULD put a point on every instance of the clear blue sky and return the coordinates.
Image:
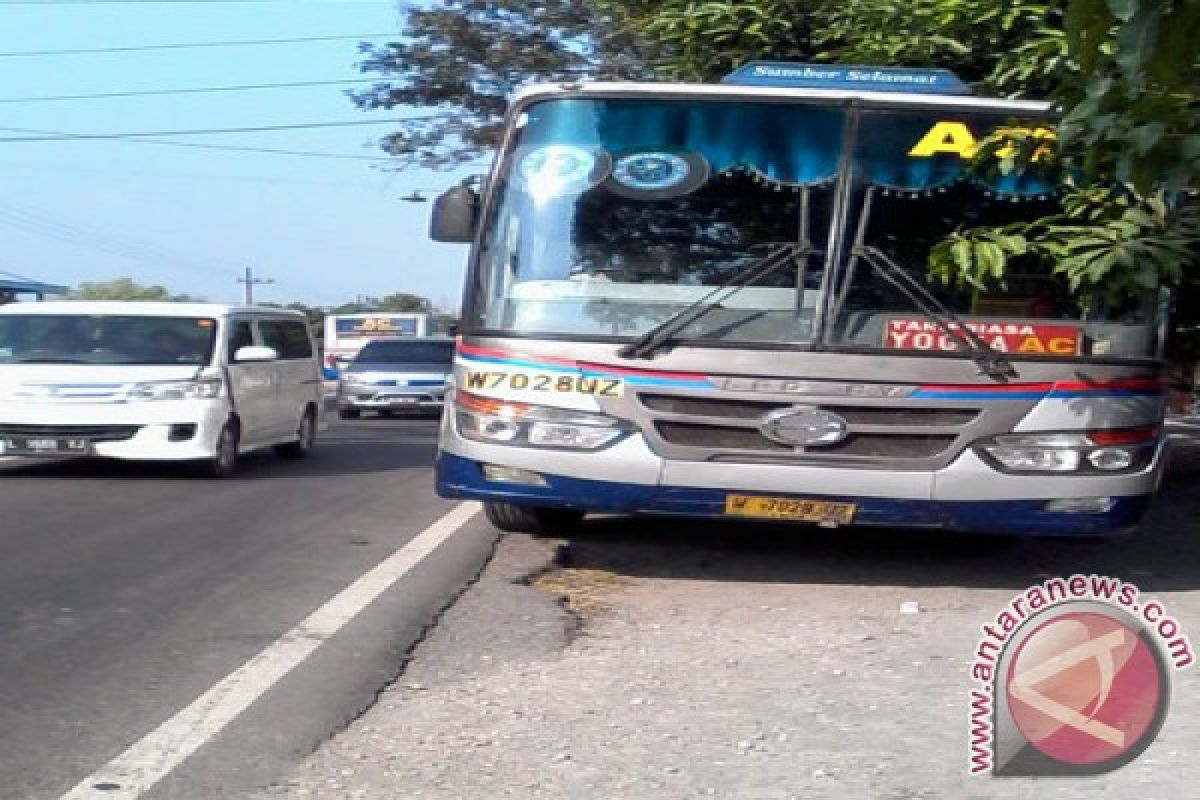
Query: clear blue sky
(324, 229)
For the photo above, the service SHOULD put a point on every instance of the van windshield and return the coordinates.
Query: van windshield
(93, 339)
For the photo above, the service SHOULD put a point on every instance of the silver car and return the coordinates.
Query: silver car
(395, 375)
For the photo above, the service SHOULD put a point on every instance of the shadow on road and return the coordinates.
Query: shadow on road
(1163, 556)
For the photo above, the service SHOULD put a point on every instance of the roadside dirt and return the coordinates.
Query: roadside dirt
(649, 659)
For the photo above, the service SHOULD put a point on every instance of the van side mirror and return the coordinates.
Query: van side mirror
(455, 213)
(252, 353)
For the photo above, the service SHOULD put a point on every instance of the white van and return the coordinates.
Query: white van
(157, 381)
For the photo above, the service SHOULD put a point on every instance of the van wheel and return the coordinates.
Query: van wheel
(306, 438)
(224, 462)
(531, 519)
(349, 413)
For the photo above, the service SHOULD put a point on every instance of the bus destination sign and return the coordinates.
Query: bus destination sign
(906, 333)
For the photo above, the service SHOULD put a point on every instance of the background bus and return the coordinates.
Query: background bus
(345, 334)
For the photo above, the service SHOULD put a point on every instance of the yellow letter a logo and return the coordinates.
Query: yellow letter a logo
(945, 137)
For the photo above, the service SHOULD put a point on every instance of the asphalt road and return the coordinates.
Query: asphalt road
(127, 590)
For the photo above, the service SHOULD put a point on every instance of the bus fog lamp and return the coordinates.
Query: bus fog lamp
(1081, 505)
(1110, 458)
(497, 473)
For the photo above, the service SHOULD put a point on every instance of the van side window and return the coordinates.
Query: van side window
(296, 341)
(289, 338)
(240, 335)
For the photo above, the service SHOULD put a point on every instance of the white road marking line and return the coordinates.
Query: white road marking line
(151, 759)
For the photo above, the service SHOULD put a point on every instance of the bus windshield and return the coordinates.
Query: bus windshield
(616, 214)
(612, 215)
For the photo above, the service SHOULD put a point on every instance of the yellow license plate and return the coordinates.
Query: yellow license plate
(740, 505)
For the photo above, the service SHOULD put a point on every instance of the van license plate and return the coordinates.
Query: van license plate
(740, 505)
(44, 447)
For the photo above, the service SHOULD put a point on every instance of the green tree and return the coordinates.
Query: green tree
(124, 289)
(397, 301)
(462, 60)
(1009, 47)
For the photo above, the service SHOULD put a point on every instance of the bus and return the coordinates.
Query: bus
(715, 301)
(345, 334)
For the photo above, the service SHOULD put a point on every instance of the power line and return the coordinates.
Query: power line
(15, 276)
(186, 45)
(207, 131)
(186, 90)
(55, 135)
(32, 222)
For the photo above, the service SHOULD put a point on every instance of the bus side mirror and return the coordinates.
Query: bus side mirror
(454, 216)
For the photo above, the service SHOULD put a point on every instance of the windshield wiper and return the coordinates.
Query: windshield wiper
(649, 343)
(990, 362)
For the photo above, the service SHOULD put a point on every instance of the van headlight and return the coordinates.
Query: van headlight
(484, 419)
(1089, 452)
(203, 389)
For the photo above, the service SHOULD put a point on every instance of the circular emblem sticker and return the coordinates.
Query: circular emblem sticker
(1086, 689)
(657, 174)
(560, 169)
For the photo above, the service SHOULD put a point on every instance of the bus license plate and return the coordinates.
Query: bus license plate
(740, 505)
(44, 447)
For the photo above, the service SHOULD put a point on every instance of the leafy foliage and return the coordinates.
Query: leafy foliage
(1134, 114)
(397, 301)
(463, 59)
(124, 289)
(1102, 243)
(1007, 47)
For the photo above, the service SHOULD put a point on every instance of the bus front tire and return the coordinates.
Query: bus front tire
(531, 519)
(349, 413)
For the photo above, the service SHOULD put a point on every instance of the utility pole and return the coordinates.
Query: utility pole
(251, 282)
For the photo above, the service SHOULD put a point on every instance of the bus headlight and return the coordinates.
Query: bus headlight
(575, 437)
(1091, 452)
(485, 419)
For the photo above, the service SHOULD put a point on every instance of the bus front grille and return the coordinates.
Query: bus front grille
(856, 444)
(754, 409)
(881, 434)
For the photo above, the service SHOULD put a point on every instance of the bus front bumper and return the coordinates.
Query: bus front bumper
(462, 477)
